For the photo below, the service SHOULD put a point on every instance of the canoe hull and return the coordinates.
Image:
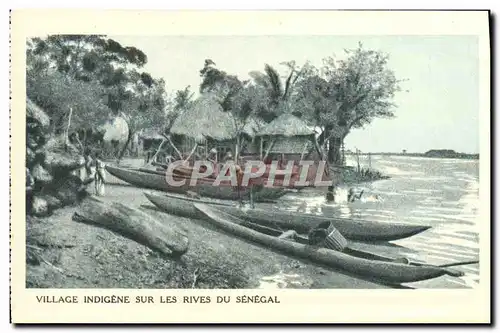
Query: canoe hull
(180, 205)
(157, 181)
(354, 230)
(358, 230)
(389, 272)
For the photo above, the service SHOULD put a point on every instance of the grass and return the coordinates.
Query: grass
(351, 176)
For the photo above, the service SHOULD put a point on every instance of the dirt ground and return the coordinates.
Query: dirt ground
(63, 253)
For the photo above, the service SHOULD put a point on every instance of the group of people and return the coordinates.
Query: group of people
(95, 171)
(352, 196)
(212, 156)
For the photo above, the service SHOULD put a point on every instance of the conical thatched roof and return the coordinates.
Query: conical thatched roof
(253, 126)
(205, 119)
(287, 125)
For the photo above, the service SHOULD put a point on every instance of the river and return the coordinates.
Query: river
(442, 193)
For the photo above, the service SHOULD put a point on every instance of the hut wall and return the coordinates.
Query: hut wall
(289, 145)
(252, 146)
(222, 147)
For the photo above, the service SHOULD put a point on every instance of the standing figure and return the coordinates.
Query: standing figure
(87, 173)
(100, 176)
(330, 194)
(228, 157)
(212, 155)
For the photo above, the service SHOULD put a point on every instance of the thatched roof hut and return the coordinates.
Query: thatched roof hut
(205, 119)
(287, 125)
(253, 126)
(287, 134)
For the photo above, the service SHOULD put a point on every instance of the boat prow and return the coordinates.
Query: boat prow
(390, 272)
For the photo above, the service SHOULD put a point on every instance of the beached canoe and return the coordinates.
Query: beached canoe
(204, 187)
(391, 272)
(278, 181)
(352, 229)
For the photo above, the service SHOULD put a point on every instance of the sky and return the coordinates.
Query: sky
(439, 110)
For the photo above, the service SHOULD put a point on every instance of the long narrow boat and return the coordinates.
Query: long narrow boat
(380, 270)
(278, 181)
(356, 230)
(205, 187)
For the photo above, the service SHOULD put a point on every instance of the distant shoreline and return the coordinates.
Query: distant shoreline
(434, 153)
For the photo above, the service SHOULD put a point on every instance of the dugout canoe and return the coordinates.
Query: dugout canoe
(383, 270)
(204, 187)
(352, 229)
(277, 180)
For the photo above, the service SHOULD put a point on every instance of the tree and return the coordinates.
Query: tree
(350, 93)
(57, 94)
(147, 107)
(316, 102)
(223, 85)
(113, 71)
(183, 98)
(276, 94)
(88, 58)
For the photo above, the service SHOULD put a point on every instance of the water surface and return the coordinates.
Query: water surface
(442, 193)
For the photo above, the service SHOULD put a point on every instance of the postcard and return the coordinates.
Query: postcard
(250, 166)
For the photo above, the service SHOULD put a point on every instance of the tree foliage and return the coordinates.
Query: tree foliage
(96, 75)
(183, 99)
(56, 93)
(344, 94)
(278, 92)
(363, 86)
(220, 83)
(348, 93)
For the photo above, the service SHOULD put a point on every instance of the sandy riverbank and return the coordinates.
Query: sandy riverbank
(81, 256)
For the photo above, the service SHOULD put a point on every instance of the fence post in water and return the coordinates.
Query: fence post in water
(357, 159)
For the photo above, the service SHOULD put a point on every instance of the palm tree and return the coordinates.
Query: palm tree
(276, 94)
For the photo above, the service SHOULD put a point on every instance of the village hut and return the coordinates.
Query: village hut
(288, 137)
(205, 126)
(250, 131)
(110, 135)
(149, 138)
(149, 141)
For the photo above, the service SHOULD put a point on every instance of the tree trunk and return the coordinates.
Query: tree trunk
(237, 149)
(269, 148)
(66, 131)
(261, 148)
(162, 237)
(324, 134)
(129, 138)
(334, 151)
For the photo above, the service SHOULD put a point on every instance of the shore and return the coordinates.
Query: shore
(75, 255)
(348, 176)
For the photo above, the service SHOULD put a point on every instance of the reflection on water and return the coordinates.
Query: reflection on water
(443, 193)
